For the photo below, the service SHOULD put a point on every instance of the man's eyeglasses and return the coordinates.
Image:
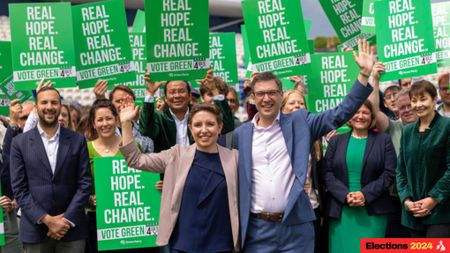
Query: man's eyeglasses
(180, 91)
(270, 93)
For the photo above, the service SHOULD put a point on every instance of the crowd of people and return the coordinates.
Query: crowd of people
(264, 185)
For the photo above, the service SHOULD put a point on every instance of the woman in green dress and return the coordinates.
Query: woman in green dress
(423, 172)
(358, 169)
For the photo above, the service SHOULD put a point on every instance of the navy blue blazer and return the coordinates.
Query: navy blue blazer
(379, 164)
(300, 129)
(4, 172)
(39, 192)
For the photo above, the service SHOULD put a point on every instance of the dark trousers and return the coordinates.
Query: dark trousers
(394, 228)
(432, 231)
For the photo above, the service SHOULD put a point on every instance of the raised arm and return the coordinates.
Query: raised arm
(381, 118)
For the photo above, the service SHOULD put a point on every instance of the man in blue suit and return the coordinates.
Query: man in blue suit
(51, 181)
(275, 211)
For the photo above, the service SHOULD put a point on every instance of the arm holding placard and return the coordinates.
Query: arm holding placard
(155, 162)
(381, 118)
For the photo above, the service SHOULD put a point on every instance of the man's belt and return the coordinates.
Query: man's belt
(272, 217)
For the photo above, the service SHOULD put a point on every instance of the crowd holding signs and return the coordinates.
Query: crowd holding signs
(75, 46)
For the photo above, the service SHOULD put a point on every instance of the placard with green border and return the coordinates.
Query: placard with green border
(332, 77)
(368, 17)
(407, 47)
(441, 28)
(222, 53)
(103, 47)
(139, 22)
(345, 17)
(178, 41)
(276, 35)
(128, 205)
(138, 64)
(42, 45)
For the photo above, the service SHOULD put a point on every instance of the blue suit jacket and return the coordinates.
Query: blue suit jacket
(378, 174)
(39, 192)
(300, 129)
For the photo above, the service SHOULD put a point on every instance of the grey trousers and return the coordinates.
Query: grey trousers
(55, 246)
(12, 243)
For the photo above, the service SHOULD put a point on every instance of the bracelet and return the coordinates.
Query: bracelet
(364, 74)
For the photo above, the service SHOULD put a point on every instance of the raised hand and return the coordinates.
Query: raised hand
(208, 77)
(100, 89)
(378, 68)
(43, 84)
(364, 57)
(151, 87)
(15, 109)
(129, 112)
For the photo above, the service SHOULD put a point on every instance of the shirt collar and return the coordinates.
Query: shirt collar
(44, 134)
(256, 118)
(175, 117)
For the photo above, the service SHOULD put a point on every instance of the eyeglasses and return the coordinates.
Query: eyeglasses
(390, 96)
(232, 100)
(270, 93)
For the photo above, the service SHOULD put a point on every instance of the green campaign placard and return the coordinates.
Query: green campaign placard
(127, 205)
(9, 90)
(177, 45)
(222, 53)
(345, 16)
(42, 44)
(407, 46)
(368, 17)
(441, 28)
(276, 36)
(247, 57)
(138, 64)
(5, 60)
(103, 47)
(139, 22)
(332, 77)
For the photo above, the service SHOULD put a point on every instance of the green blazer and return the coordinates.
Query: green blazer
(162, 129)
(424, 170)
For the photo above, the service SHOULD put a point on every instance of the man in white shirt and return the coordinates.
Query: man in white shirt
(275, 211)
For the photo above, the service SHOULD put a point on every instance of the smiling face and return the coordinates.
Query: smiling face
(423, 104)
(177, 96)
(48, 106)
(267, 98)
(205, 130)
(362, 119)
(293, 103)
(105, 122)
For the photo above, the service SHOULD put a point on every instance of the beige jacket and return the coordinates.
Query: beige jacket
(175, 164)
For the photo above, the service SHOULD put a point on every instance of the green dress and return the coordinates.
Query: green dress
(355, 223)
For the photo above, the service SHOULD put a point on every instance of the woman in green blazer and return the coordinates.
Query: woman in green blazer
(423, 171)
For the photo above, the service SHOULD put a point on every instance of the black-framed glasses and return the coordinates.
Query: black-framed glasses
(270, 93)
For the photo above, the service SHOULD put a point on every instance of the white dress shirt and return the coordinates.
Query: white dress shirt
(51, 146)
(182, 136)
(272, 176)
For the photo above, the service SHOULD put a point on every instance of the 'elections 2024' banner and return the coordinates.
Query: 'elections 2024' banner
(332, 77)
(276, 36)
(127, 205)
(441, 28)
(222, 53)
(407, 46)
(177, 39)
(103, 47)
(345, 16)
(42, 44)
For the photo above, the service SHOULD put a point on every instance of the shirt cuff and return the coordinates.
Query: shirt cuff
(149, 99)
(71, 223)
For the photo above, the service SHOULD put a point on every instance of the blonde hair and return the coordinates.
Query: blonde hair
(288, 93)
